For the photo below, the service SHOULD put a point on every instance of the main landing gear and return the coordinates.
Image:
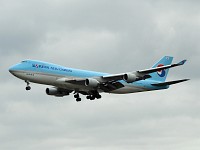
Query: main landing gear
(27, 86)
(78, 99)
(93, 96)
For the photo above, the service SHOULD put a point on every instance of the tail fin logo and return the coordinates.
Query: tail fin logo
(161, 73)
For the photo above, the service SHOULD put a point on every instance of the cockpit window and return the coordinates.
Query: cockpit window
(24, 61)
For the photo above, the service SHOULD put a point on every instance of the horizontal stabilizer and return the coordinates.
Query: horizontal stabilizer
(169, 82)
(182, 62)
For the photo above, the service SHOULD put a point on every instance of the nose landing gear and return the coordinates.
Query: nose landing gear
(27, 86)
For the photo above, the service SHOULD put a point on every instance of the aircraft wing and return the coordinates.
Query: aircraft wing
(170, 82)
(151, 70)
(139, 75)
(105, 86)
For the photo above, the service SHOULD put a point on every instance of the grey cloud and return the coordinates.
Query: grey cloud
(138, 122)
(110, 36)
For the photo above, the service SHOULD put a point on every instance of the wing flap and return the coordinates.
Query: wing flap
(111, 86)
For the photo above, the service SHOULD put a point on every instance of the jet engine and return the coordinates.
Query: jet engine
(56, 92)
(129, 77)
(91, 82)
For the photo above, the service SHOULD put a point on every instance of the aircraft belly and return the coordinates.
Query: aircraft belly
(73, 86)
(20, 74)
(50, 80)
(43, 79)
(36, 77)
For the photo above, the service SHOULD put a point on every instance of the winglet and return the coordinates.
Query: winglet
(182, 62)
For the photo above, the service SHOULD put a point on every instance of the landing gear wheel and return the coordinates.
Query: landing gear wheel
(88, 97)
(98, 96)
(76, 96)
(92, 97)
(78, 99)
(28, 88)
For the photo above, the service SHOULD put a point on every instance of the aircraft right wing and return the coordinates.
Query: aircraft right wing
(169, 82)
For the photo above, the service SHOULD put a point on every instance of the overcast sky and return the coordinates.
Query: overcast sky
(103, 35)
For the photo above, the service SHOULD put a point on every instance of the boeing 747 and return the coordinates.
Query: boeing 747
(66, 80)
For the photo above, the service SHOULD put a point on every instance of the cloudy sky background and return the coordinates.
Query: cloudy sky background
(109, 36)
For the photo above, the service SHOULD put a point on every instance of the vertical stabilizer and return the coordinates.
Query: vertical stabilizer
(161, 75)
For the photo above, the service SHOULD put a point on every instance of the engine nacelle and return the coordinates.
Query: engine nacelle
(91, 82)
(129, 77)
(56, 92)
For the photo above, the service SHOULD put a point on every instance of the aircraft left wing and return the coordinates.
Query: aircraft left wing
(94, 83)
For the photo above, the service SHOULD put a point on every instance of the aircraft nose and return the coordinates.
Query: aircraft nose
(11, 69)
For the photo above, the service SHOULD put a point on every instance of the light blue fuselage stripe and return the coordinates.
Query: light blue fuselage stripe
(52, 69)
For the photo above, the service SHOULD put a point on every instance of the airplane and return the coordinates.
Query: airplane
(66, 80)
